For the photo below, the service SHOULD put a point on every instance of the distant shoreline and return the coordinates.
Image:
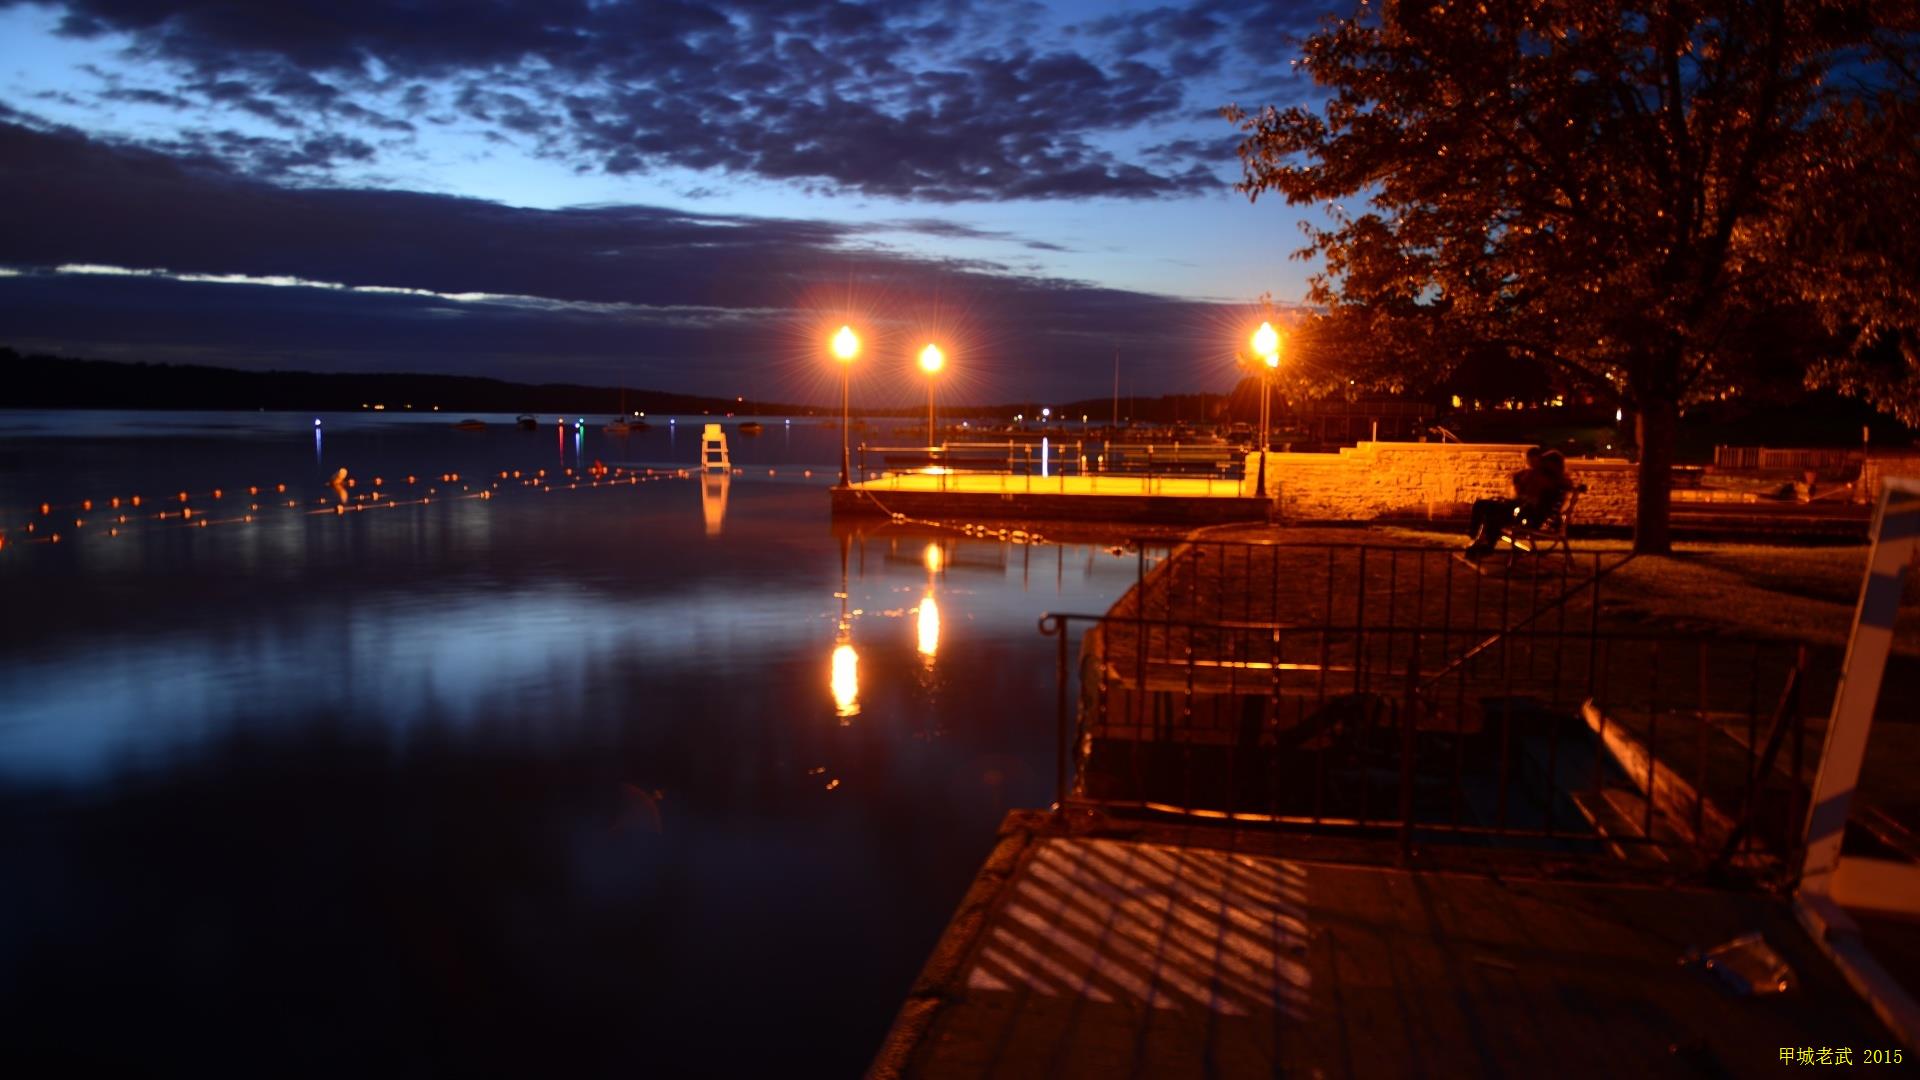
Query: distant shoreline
(53, 382)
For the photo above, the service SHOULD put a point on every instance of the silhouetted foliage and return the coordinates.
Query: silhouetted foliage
(1621, 193)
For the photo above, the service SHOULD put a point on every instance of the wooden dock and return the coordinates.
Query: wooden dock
(1112, 951)
(1157, 500)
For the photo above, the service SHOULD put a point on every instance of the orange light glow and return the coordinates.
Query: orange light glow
(136, 500)
(934, 558)
(846, 344)
(932, 359)
(1266, 344)
(845, 681)
(929, 625)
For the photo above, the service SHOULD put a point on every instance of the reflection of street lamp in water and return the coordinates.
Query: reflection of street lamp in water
(935, 559)
(845, 679)
(844, 672)
(929, 626)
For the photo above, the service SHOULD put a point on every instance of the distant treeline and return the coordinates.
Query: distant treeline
(53, 382)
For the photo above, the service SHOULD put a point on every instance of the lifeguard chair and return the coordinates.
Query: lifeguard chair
(713, 449)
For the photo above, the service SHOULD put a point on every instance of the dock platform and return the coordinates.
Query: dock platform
(1176, 951)
(1159, 500)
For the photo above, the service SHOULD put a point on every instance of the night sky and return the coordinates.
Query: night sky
(686, 196)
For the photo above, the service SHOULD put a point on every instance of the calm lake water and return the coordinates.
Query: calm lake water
(552, 782)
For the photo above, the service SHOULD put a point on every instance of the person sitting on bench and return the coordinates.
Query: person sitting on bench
(1530, 486)
(1552, 493)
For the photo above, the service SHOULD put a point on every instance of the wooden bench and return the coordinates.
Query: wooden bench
(1544, 538)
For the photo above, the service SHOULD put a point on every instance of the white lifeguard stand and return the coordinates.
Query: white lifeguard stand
(713, 449)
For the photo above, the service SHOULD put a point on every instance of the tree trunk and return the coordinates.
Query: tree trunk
(1655, 425)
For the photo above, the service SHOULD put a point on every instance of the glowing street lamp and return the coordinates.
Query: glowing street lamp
(846, 346)
(931, 361)
(1266, 345)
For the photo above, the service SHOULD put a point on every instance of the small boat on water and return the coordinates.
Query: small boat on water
(619, 425)
(752, 427)
(527, 421)
(470, 424)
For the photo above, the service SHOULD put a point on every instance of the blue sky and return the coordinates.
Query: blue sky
(1045, 183)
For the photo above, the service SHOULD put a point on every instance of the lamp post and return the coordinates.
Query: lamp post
(846, 346)
(931, 361)
(1266, 345)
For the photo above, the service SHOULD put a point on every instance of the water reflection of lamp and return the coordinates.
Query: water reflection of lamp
(929, 626)
(844, 673)
(845, 680)
(934, 558)
(713, 499)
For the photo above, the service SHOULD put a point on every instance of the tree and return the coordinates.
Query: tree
(1617, 191)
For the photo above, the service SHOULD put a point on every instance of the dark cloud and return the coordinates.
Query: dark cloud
(653, 296)
(877, 98)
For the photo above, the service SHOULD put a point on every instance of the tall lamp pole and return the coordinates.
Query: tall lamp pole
(1266, 345)
(931, 361)
(846, 346)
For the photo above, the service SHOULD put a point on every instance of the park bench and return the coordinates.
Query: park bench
(1544, 538)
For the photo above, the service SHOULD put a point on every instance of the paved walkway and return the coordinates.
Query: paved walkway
(1111, 957)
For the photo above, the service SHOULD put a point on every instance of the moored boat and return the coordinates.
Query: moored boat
(527, 421)
(470, 424)
(752, 427)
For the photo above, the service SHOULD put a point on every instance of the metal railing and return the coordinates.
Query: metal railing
(1028, 466)
(1660, 750)
(1399, 687)
(1788, 459)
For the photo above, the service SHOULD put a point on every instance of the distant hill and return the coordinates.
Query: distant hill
(52, 382)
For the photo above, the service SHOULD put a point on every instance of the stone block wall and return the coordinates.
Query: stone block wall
(1427, 480)
(1879, 466)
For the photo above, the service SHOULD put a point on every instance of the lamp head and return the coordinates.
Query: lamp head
(932, 359)
(846, 344)
(1266, 344)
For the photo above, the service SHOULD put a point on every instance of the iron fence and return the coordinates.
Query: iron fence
(1660, 749)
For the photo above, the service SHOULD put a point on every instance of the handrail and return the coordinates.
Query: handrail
(1380, 759)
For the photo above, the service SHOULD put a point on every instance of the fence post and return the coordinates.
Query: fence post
(1409, 714)
(1060, 721)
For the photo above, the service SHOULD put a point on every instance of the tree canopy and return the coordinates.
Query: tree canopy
(1660, 202)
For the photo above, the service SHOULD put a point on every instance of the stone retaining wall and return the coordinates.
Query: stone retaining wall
(1878, 467)
(1428, 480)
